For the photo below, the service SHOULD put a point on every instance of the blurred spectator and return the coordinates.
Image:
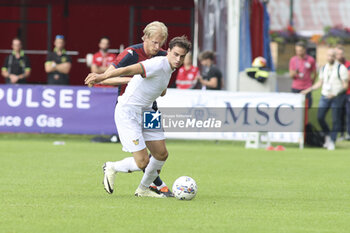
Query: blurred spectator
(345, 115)
(347, 103)
(186, 76)
(258, 71)
(102, 59)
(58, 64)
(302, 69)
(333, 78)
(16, 68)
(211, 78)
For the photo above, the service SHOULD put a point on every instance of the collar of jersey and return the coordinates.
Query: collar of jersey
(63, 50)
(21, 53)
(144, 52)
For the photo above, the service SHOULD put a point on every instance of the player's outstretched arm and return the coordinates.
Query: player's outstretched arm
(125, 71)
(131, 70)
(116, 81)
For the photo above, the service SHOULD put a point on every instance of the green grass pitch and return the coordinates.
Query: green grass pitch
(48, 188)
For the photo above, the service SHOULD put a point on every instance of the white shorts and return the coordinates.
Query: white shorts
(128, 121)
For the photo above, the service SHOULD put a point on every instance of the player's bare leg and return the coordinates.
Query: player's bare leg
(141, 158)
(158, 149)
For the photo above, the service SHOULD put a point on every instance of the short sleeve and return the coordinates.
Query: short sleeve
(69, 59)
(6, 63)
(94, 59)
(126, 58)
(214, 72)
(344, 74)
(151, 67)
(49, 57)
(27, 63)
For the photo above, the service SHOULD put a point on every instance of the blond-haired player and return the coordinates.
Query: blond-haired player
(151, 78)
(154, 36)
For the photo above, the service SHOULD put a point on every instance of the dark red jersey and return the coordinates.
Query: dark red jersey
(132, 55)
(103, 59)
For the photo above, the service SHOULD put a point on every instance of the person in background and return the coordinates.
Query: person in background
(102, 59)
(211, 78)
(302, 69)
(58, 64)
(16, 68)
(345, 115)
(187, 75)
(100, 63)
(333, 78)
(347, 107)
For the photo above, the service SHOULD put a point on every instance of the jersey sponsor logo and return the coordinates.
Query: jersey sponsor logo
(152, 120)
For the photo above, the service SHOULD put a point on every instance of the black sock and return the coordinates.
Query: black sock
(158, 181)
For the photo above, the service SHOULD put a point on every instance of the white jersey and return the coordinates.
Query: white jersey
(143, 90)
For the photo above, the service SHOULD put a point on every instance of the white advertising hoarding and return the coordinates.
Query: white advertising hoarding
(281, 114)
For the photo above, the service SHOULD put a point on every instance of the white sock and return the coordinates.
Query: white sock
(151, 171)
(126, 165)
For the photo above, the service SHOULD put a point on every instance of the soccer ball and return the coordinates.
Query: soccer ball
(184, 188)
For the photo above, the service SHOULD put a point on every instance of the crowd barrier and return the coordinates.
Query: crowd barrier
(57, 109)
(249, 109)
(83, 110)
